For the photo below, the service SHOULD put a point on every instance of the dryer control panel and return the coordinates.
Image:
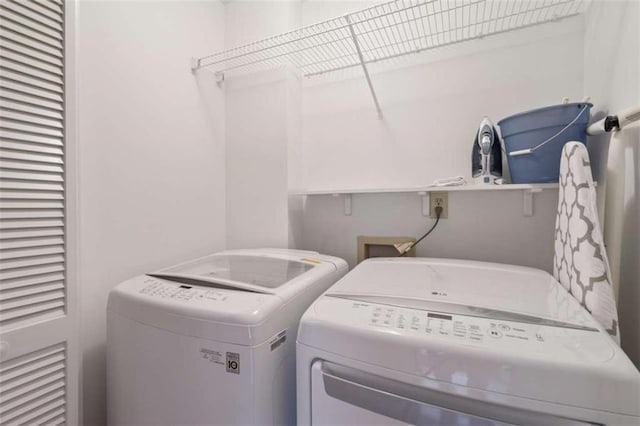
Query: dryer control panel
(451, 326)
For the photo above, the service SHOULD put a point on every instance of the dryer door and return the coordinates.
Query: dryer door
(345, 396)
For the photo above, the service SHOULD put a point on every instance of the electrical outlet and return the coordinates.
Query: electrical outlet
(439, 199)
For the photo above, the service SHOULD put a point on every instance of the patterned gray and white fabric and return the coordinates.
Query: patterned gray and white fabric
(580, 263)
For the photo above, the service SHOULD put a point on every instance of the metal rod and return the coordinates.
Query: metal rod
(364, 67)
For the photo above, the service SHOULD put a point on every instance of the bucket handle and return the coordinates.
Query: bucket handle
(530, 150)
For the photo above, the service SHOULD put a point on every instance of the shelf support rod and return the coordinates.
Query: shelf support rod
(364, 66)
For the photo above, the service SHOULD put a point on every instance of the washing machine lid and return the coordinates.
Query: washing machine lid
(490, 290)
(240, 271)
(240, 296)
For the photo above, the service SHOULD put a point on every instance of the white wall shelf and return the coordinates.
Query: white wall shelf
(418, 189)
(383, 32)
(528, 190)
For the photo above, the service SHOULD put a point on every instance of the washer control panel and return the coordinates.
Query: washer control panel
(182, 292)
(450, 325)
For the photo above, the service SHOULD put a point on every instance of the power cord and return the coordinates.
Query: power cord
(438, 210)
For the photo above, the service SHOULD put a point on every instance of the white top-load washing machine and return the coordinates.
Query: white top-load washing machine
(452, 342)
(212, 341)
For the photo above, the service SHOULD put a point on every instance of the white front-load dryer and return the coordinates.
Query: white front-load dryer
(452, 342)
(212, 341)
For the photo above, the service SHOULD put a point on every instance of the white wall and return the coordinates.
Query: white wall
(612, 70)
(256, 176)
(261, 120)
(151, 160)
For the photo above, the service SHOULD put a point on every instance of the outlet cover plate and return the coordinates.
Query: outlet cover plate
(439, 198)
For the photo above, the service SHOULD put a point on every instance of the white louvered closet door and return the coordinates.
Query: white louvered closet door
(38, 372)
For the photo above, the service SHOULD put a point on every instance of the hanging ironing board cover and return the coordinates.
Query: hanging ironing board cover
(580, 263)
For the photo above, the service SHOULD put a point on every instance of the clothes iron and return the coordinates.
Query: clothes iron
(486, 157)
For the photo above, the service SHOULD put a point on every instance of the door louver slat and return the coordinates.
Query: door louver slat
(19, 316)
(36, 271)
(35, 80)
(33, 101)
(30, 214)
(17, 137)
(31, 65)
(30, 224)
(33, 386)
(28, 22)
(28, 234)
(12, 305)
(29, 33)
(45, 278)
(39, 308)
(30, 290)
(28, 252)
(25, 414)
(8, 184)
(30, 91)
(48, 177)
(34, 67)
(26, 156)
(29, 195)
(39, 267)
(28, 165)
(24, 47)
(29, 42)
(31, 242)
(42, 10)
(29, 147)
(34, 395)
(34, 15)
(24, 262)
(29, 109)
(17, 367)
(43, 375)
(31, 119)
(54, 417)
(33, 204)
(52, 5)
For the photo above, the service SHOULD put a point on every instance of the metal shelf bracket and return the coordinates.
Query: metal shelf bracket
(195, 64)
(424, 199)
(347, 203)
(527, 201)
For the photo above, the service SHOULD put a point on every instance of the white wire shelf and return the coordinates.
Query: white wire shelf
(386, 31)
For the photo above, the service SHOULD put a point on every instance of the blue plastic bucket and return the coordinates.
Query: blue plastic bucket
(534, 139)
